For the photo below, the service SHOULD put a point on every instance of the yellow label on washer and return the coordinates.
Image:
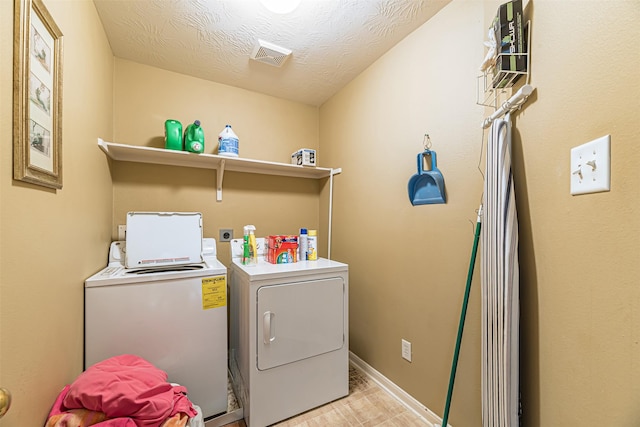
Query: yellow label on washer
(214, 292)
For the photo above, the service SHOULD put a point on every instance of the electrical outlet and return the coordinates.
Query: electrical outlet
(122, 232)
(590, 166)
(226, 234)
(406, 350)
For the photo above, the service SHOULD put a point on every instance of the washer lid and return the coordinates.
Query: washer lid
(118, 275)
(163, 238)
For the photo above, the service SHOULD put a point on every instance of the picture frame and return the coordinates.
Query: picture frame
(37, 95)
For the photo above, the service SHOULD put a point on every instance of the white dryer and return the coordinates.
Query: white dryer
(289, 338)
(174, 316)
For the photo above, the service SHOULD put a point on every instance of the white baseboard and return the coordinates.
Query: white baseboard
(405, 398)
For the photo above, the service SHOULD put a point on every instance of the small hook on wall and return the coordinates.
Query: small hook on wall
(426, 142)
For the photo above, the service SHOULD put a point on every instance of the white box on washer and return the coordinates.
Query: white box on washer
(157, 239)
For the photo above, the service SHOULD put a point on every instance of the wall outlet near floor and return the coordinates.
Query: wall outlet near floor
(226, 234)
(406, 350)
(122, 232)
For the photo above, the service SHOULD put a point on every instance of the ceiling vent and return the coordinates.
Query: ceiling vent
(270, 53)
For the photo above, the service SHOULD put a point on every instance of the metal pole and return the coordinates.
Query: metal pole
(463, 315)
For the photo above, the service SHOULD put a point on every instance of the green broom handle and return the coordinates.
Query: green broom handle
(463, 315)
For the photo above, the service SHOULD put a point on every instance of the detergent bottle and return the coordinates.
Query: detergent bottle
(194, 138)
(312, 245)
(250, 249)
(173, 135)
(228, 142)
(302, 245)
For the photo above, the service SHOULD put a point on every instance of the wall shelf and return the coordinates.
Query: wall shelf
(160, 156)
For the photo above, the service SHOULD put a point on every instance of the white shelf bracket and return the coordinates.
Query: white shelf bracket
(219, 181)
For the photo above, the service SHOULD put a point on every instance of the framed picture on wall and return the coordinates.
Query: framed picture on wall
(37, 95)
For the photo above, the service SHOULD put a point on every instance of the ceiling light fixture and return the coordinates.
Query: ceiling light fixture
(281, 6)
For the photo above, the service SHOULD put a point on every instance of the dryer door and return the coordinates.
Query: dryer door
(299, 320)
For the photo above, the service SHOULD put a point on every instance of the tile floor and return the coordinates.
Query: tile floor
(367, 405)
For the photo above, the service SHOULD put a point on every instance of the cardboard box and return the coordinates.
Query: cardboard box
(508, 26)
(282, 249)
(304, 157)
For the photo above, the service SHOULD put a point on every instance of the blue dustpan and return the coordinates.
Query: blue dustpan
(427, 187)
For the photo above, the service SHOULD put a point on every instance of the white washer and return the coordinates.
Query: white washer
(289, 338)
(174, 317)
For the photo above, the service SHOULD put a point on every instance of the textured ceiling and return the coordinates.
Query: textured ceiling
(332, 40)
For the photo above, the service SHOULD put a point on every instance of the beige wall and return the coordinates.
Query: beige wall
(579, 255)
(408, 265)
(268, 129)
(52, 240)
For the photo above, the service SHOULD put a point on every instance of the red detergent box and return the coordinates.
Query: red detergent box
(282, 249)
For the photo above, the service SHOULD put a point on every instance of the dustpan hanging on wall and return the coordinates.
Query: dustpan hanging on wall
(426, 187)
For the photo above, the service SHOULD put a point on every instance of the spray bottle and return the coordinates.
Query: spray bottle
(250, 249)
(245, 247)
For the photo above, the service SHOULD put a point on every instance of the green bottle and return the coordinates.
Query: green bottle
(173, 135)
(194, 138)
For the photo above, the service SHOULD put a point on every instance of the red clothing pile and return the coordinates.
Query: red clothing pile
(123, 391)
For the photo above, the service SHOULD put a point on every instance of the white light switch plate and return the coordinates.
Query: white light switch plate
(591, 166)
